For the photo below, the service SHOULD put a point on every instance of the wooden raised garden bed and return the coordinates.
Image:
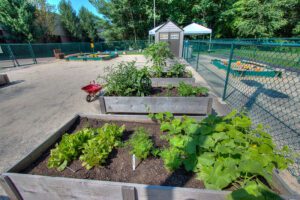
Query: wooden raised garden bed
(142, 105)
(4, 79)
(258, 70)
(161, 99)
(31, 179)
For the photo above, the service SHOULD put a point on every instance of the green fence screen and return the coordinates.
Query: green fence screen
(24, 54)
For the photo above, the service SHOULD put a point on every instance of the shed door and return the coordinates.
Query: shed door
(173, 39)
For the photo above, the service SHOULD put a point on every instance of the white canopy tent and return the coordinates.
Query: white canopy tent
(197, 29)
(192, 29)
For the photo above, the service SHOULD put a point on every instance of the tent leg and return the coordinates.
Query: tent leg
(209, 42)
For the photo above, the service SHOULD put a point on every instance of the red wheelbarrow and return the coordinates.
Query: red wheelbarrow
(92, 89)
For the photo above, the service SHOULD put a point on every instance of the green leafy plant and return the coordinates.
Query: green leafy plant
(158, 53)
(253, 190)
(96, 150)
(189, 90)
(140, 144)
(177, 70)
(69, 148)
(92, 146)
(127, 80)
(223, 151)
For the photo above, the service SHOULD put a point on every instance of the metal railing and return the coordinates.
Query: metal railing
(263, 79)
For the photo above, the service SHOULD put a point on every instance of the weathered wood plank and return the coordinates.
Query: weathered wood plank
(128, 193)
(165, 82)
(175, 105)
(4, 79)
(42, 187)
(9, 188)
(102, 104)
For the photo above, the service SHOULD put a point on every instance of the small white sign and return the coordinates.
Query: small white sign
(1, 50)
(133, 162)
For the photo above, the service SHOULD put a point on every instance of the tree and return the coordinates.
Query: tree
(125, 19)
(88, 23)
(44, 20)
(258, 18)
(17, 16)
(69, 18)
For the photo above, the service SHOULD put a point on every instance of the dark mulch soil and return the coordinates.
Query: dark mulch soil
(119, 168)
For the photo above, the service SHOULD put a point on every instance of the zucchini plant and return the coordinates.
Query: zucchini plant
(222, 151)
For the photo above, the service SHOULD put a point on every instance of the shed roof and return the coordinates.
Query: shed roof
(154, 30)
(196, 29)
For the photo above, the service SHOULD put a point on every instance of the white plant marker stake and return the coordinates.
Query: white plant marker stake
(133, 162)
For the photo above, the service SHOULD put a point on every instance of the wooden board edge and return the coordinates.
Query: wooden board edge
(10, 188)
(128, 193)
(36, 152)
(209, 106)
(280, 184)
(102, 105)
(206, 103)
(115, 183)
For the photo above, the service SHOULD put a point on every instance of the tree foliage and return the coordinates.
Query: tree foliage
(17, 16)
(69, 18)
(88, 23)
(44, 20)
(131, 19)
(251, 20)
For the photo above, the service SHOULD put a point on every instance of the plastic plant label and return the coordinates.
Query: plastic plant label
(133, 162)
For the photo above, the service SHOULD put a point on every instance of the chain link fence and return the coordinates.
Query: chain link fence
(263, 79)
(12, 55)
(257, 40)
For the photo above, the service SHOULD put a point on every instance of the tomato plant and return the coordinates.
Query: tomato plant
(127, 80)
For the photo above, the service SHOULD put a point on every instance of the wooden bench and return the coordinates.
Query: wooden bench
(58, 54)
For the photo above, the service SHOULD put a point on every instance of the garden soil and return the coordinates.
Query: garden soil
(119, 164)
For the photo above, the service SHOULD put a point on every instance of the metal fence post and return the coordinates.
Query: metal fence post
(183, 51)
(198, 56)
(187, 52)
(228, 72)
(12, 56)
(32, 53)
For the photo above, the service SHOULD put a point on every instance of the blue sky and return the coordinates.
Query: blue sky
(77, 5)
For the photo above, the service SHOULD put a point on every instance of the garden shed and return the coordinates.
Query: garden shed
(169, 32)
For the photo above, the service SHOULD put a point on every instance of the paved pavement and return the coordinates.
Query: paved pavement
(41, 98)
